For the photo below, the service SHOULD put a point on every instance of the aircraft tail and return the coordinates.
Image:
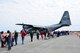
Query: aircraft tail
(65, 21)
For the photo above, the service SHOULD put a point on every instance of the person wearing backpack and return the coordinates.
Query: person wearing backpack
(9, 40)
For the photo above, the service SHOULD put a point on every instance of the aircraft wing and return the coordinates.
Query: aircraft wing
(34, 26)
(29, 27)
(25, 25)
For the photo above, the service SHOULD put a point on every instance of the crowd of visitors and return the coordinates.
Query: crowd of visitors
(10, 39)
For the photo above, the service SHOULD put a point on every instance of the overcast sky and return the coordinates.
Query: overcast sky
(38, 12)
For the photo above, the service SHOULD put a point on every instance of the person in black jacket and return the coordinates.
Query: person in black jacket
(15, 37)
(31, 36)
(37, 35)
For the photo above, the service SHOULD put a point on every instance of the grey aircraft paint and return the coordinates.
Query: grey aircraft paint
(65, 21)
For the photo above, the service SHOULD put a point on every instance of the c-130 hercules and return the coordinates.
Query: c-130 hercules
(65, 21)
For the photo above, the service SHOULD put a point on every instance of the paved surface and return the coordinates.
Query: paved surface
(62, 44)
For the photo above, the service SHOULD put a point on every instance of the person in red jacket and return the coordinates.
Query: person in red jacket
(23, 34)
(3, 40)
(42, 35)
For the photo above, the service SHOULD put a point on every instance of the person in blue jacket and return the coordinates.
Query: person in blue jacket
(0, 38)
(9, 40)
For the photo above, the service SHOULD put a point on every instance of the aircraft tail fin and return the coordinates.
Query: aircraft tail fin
(65, 21)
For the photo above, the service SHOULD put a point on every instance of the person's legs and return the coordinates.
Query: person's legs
(22, 40)
(0, 41)
(38, 37)
(31, 38)
(9, 44)
(12, 41)
(16, 41)
(2, 44)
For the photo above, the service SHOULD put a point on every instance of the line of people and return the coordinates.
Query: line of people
(9, 38)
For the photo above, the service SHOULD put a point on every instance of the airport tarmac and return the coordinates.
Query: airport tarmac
(62, 44)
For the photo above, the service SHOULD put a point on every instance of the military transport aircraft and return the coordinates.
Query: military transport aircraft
(65, 21)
